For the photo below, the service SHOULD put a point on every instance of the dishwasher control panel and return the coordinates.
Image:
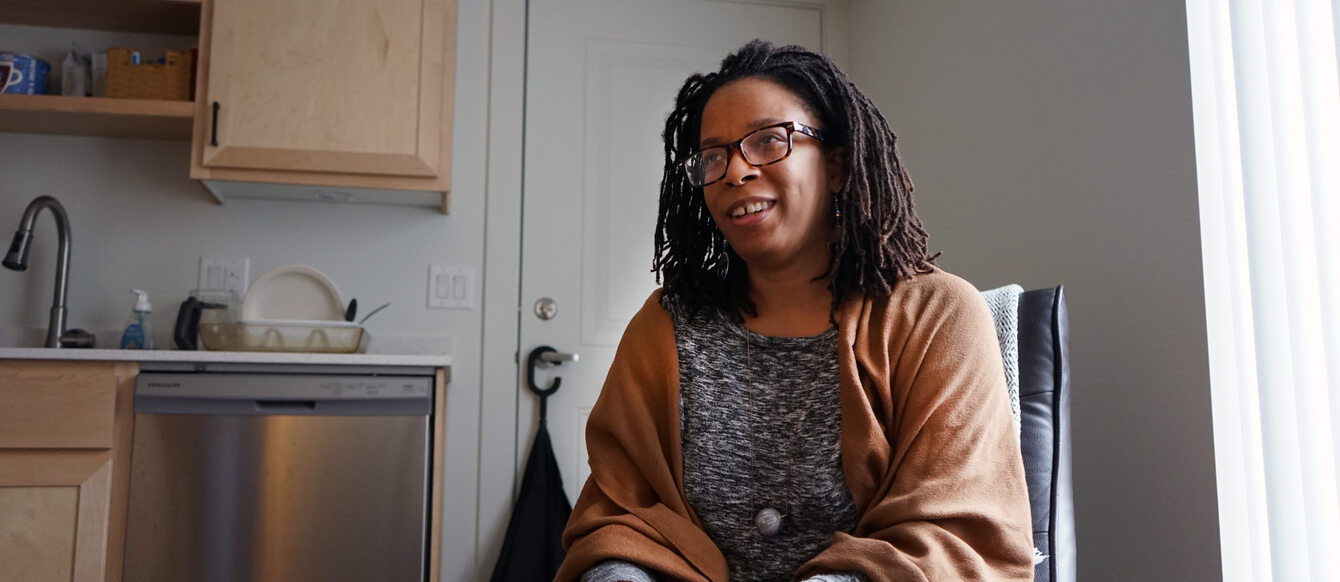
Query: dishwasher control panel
(374, 387)
(289, 394)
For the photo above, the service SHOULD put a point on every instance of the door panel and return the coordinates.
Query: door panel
(625, 80)
(290, 497)
(55, 515)
(38, 528)
(601, 78)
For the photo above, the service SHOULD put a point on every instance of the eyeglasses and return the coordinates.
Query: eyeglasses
(763, 146)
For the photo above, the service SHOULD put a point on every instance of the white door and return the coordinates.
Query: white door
(601, 78)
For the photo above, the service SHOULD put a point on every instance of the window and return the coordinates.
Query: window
(1266, 103)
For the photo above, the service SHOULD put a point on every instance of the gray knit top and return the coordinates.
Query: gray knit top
(760, 428)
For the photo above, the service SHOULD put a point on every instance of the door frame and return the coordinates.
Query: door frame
(504, 413)
(500, 381)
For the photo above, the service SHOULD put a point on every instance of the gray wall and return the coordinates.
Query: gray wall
(139, 221)
(1051, 142)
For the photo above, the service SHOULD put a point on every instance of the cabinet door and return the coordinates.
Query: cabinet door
(348, 87)
(65, 431)
(54, 515)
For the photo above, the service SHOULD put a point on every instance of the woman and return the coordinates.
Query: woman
(808, 397)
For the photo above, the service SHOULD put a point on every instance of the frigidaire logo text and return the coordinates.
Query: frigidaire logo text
(164, 384)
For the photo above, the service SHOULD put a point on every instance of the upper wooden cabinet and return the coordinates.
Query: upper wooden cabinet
(345, 99)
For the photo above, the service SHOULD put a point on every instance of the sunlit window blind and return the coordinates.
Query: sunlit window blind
(1266, 104)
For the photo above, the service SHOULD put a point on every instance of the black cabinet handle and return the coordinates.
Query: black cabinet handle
(214, 127)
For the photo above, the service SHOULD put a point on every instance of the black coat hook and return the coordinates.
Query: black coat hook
(543, 393)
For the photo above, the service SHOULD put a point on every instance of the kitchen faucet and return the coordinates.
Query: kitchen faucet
(17, 259)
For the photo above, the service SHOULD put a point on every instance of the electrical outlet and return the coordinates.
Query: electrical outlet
(231, 274)
(451, 287)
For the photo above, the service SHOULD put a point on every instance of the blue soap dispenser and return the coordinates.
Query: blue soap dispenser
(139, 334)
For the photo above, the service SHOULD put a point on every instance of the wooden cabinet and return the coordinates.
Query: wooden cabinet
(306, 99)
(65, 431)
(333, 97)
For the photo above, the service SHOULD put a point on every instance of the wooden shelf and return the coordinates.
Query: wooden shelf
(96, 116)
(177, 17)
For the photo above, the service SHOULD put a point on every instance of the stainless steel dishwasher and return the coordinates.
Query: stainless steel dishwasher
(286, 473)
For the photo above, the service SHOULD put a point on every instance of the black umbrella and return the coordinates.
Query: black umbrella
(533, 548)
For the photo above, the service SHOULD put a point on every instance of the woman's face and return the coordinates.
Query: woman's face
(776, 216)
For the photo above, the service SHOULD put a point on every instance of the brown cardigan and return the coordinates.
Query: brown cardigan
(928, 449)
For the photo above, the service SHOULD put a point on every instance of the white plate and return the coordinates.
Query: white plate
(293, 292)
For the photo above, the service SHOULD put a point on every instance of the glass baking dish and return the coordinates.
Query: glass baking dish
(284, 335)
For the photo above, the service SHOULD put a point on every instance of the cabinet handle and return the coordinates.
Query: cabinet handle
(214, 127)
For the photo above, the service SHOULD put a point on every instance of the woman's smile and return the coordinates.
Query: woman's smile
(750, 211)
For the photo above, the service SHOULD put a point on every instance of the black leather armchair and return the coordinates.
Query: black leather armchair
(1044, 402)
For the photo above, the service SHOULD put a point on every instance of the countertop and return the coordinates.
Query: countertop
(435, 360)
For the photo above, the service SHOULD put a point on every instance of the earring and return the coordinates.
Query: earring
(837, 210)
(722, 265)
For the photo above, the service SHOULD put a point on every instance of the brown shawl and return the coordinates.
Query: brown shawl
(928, 449)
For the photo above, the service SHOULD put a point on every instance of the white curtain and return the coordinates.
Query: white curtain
(1266, 104)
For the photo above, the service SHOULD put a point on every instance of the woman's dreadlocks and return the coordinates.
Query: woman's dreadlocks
(877, 238)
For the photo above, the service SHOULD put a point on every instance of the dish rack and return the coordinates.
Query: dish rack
(280, 335)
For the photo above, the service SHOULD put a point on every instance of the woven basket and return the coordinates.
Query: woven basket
(169, 80)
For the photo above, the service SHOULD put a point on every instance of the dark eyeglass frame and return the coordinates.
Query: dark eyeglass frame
(792, 127)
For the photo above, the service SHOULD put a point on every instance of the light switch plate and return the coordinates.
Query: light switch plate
(451, 287)
(233, 274)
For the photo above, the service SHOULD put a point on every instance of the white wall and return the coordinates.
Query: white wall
(1051, 142)
(139, 221)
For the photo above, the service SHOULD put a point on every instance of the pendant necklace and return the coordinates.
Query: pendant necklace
(767, 521)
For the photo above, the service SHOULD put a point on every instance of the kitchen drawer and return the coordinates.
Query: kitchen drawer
(57, 404)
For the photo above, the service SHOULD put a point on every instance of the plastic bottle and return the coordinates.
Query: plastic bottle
(139, 334)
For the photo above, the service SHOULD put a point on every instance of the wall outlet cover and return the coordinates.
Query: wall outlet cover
(232, 274)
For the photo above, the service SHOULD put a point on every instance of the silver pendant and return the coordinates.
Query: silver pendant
(769, 522)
